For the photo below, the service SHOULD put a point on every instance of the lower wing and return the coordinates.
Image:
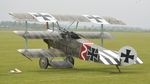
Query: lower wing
(37, 53)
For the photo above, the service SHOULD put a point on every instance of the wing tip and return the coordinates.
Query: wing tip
(20, 50)
(15, 32)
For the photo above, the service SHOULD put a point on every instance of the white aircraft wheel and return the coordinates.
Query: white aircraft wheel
(43, 63)
(70, 59)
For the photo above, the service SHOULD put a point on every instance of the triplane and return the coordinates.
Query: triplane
(69, 44)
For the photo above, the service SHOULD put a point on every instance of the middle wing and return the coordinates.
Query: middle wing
(56, 36)
(39, 34)
(93, 35)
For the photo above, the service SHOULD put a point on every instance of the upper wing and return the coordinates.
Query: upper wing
(81, 18)
(46, 17)
(23, 16)
(40, 17)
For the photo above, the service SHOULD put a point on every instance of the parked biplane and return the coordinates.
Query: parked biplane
(69, 44)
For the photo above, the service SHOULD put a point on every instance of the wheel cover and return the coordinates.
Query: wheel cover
(43, 63)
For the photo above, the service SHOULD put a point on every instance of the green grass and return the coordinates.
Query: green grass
(83, 72)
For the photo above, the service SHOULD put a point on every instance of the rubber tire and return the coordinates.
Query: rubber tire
(70, 59)
(43, 63)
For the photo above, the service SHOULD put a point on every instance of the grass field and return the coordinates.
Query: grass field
(83, 72)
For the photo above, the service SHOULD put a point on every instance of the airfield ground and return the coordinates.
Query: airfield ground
(83, 72)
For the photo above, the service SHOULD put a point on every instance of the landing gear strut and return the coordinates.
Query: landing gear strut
(43, 63)
(70, 59)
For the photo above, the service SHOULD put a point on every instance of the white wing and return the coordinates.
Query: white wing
(46, 17)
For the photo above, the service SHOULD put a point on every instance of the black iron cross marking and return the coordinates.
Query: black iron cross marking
(93, 54)
(45, 17)
(127, 56)
(95, 18)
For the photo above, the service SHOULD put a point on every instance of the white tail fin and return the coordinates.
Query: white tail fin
(127, 55)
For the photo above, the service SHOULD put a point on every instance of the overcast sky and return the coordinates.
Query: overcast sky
(132, 12)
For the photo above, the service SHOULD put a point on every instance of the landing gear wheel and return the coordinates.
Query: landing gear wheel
(43, 63)
(70, 59)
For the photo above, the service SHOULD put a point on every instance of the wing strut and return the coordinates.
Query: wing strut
(26, 38)
(47, 25)
(102, 30)
(77, 24)
(70, 25)
(26, 33)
